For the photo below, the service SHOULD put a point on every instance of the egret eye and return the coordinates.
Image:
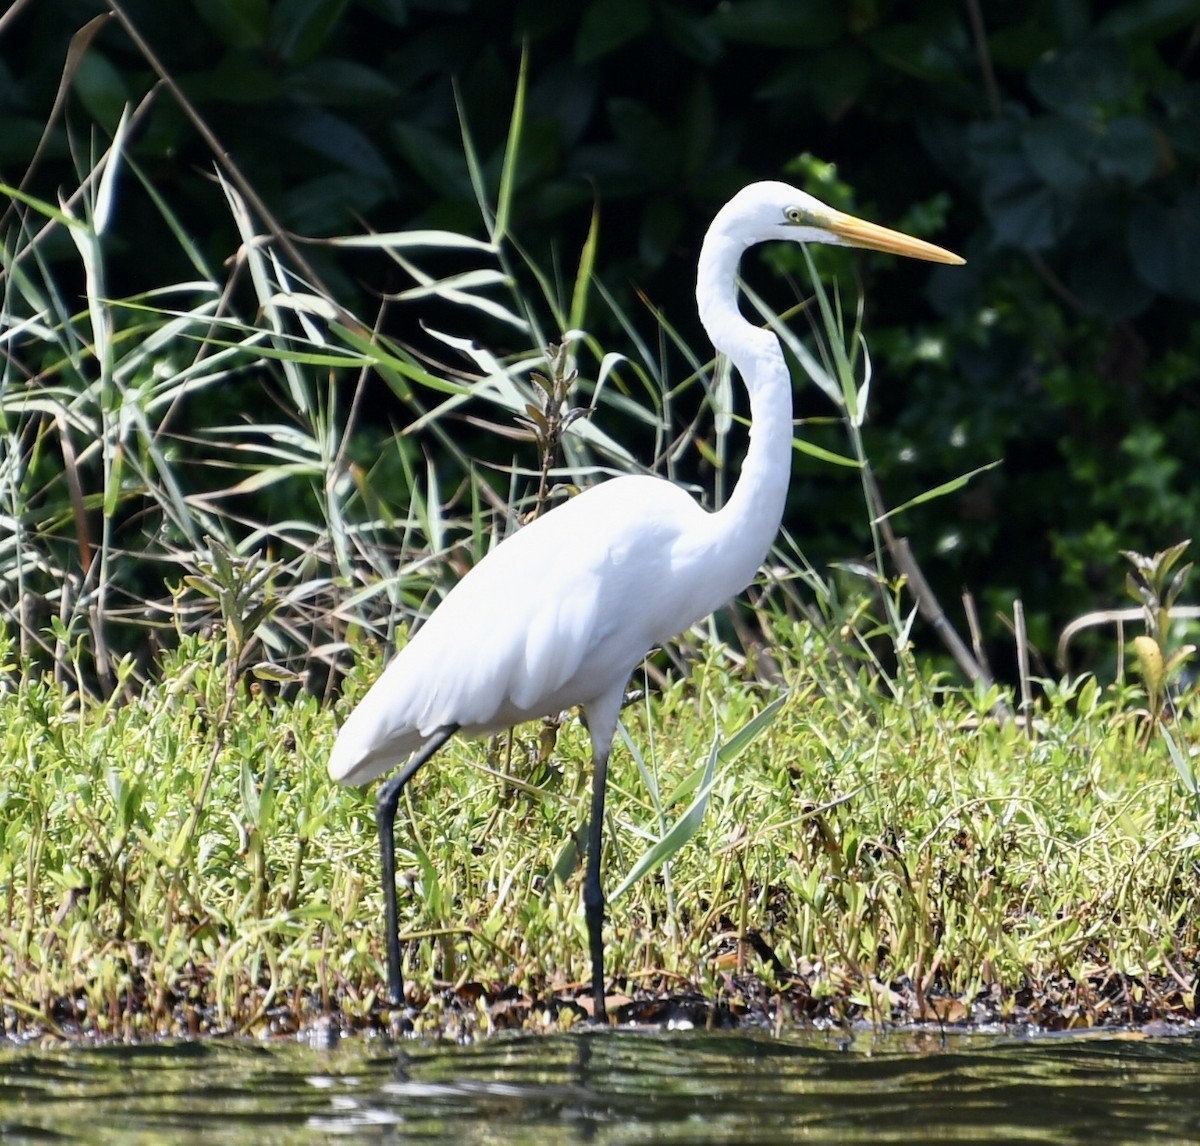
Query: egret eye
(794, 215)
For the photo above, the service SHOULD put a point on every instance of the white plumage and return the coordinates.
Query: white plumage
(561, 613)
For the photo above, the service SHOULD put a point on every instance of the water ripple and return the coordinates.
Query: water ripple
(604, 1087)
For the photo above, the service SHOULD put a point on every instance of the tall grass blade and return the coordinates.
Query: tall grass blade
(512, 152)
(705, 778)
(585, 274)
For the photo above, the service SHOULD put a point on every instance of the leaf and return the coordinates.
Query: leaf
(341, 83)
(106, 193)
(583, 279)
(1104, 278)
(691, 33)
(112, 483)
(439, 163)
(1179, 657)
(396, 371)
(404, 240)
(1083, 79)
(1150, 663)
(1146, 19)
(1139, 589)
(1126, 150)
(915, 49)
(689, 822)
(951, 486)
(751, 730)
(249, 792)
(645, 138)
(337, 139)
(780, 23)
(203, 585)
(570, 855)
(512, 149)
(1165, 561)
(1177, 585)
(277, 674)
(1018, 204)
(678, 834)
(1059, 150)
(239, 23)
(1184, 765)
(458, 284)
(1163, 240)
(237, 78)
(101, 88)
(660, 229)
(331, 358)
(266, 794)
(265, 478)
(301, 28)
(824, 455)
(607, 24)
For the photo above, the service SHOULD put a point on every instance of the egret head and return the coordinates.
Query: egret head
(768, 211)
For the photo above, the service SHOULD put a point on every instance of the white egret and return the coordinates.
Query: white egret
(561, 613)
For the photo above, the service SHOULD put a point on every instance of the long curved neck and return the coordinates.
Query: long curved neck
(749, 521)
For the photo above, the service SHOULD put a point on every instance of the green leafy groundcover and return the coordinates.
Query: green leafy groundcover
(1055, 146)
(882, 850)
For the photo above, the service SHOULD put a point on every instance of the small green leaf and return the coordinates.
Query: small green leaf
(780, 23)
(1020, 207)
(1163, 239)
(300, 29)
(1177, 585)
(239, 23)
(1185, 766)
(203, 585)
(1059, 150)
(1126, 150)
(824, 455)
(249, 792)
(607, 24)
(265, 670)
(680, 832)
(951, 486)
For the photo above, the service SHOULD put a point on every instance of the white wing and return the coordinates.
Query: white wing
(555, 616)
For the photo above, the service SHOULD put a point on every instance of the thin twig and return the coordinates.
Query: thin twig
(12, 13)
(927, 602)
(81, 41)
(97, 169)
(972, 615)
(1023, 666)
(932, 611)
(979, 37)
(244, 186)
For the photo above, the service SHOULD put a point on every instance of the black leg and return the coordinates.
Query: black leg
(593, 893)
(386, 802)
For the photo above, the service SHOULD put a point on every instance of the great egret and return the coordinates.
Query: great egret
(561, 613)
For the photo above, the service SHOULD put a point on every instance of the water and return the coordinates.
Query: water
(606, 1087)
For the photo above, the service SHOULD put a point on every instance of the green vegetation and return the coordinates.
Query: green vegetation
(210, 534)
(175, 864)
(1054, 146)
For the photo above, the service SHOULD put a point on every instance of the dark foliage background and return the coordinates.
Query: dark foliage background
(1056, 146)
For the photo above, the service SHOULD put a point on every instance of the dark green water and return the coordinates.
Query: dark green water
(611, 1088)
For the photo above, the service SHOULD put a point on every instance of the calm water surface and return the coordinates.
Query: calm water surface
(612, 1088)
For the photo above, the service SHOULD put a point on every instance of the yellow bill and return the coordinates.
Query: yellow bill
(859, 233)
